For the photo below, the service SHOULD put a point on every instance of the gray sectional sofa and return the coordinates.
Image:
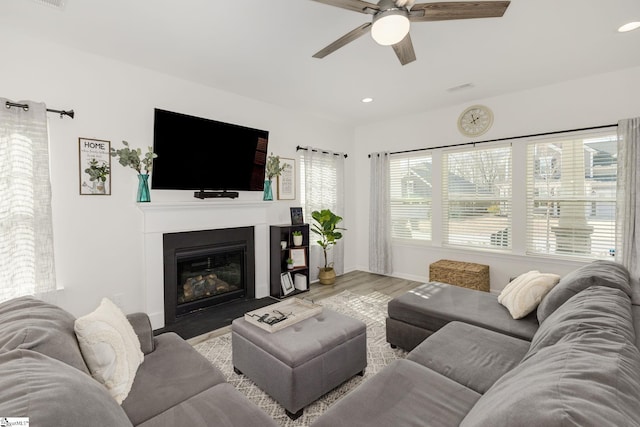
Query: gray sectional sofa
(43, 376)
(574, 362)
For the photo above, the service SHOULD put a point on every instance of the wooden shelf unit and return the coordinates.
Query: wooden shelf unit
(278, 257)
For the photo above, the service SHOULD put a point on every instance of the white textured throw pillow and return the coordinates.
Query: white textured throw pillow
(110, 348)
(522, 295)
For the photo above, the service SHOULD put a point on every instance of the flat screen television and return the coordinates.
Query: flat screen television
(195, 153)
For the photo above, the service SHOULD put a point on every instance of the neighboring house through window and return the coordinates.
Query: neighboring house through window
(410, 196)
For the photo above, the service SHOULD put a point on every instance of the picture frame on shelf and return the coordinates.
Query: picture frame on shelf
(287, 180)
(287, 283)
(94, 166)
(296, 216)
(299, 257)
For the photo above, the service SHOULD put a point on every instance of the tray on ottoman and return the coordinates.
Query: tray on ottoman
(294, 309)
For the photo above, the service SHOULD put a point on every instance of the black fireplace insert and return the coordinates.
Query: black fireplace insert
(203, 269)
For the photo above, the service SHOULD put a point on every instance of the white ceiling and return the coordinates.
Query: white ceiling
(263, 49)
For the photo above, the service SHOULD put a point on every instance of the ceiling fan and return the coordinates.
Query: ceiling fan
(391, 20)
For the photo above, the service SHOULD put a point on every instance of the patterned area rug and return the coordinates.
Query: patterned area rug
(371, 309)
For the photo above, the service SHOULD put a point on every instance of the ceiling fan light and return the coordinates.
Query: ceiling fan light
(390, 27)
(629, 27)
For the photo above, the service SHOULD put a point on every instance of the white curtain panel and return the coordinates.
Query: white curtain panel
(380, 260)
(628, 213)
(323, 187)
(26, 230)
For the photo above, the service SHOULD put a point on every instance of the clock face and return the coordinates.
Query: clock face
(475, 120)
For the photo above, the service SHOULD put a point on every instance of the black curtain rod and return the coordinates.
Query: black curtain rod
(503, 139)
(62, 113)
(319, 151)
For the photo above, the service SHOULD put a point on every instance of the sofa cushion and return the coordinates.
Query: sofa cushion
(593, 310)
(172, 373)
(403, 394)
(220, 406)
(596, 273)
(590, 377)
(432, 305)
(472, 356)
(50, 393)
(32, 324)
(110, 347)
(523, 294)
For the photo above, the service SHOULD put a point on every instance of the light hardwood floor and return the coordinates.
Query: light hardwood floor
(358, 282)
(361, 283)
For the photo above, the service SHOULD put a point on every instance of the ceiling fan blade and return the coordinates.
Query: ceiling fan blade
(404, 50)
(444, 11)
(354, 5)
(347, 38)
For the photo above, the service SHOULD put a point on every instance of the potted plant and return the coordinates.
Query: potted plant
(297, 238)
(326, 227)
(273, 169)
(290, 263)
(131, 158)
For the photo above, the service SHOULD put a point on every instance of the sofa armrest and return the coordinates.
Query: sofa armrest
(142, 327)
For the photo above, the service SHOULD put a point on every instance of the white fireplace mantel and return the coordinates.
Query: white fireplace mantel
(172, 217)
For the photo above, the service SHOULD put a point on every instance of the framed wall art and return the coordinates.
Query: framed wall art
(94, 166)
(296, 216)
(287, 180)
(299, 257)
(287, 283)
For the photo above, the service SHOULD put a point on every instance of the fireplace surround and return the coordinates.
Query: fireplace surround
(162, 217)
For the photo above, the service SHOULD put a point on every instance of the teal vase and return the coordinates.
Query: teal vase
(143, 188)
(268, 192)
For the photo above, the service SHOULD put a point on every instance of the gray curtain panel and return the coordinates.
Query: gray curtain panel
(628, 212)
(380, 260)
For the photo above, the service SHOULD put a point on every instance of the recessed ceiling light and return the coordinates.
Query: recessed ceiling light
(629, 27)
(367, 100)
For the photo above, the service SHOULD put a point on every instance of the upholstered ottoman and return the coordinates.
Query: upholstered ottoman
(298, 364)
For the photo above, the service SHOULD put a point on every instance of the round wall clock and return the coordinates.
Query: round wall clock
(475, 120)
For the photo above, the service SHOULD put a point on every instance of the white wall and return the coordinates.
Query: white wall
(594, 101)
(98, 239)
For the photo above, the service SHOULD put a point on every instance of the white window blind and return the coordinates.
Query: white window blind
(410, 196)
(319, 183)
(477, 197)
(571, 195)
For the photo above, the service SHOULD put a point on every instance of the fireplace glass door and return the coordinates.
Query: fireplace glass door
(209, 276)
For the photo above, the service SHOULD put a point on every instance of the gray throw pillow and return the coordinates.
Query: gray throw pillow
(51, 393)
(595, 309)
(596, 273)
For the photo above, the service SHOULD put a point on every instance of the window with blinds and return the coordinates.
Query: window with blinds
(477, 197)
(410, 196)
(571, 195)
(320, 184)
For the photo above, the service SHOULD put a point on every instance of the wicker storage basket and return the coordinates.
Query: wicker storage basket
(464, 274)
